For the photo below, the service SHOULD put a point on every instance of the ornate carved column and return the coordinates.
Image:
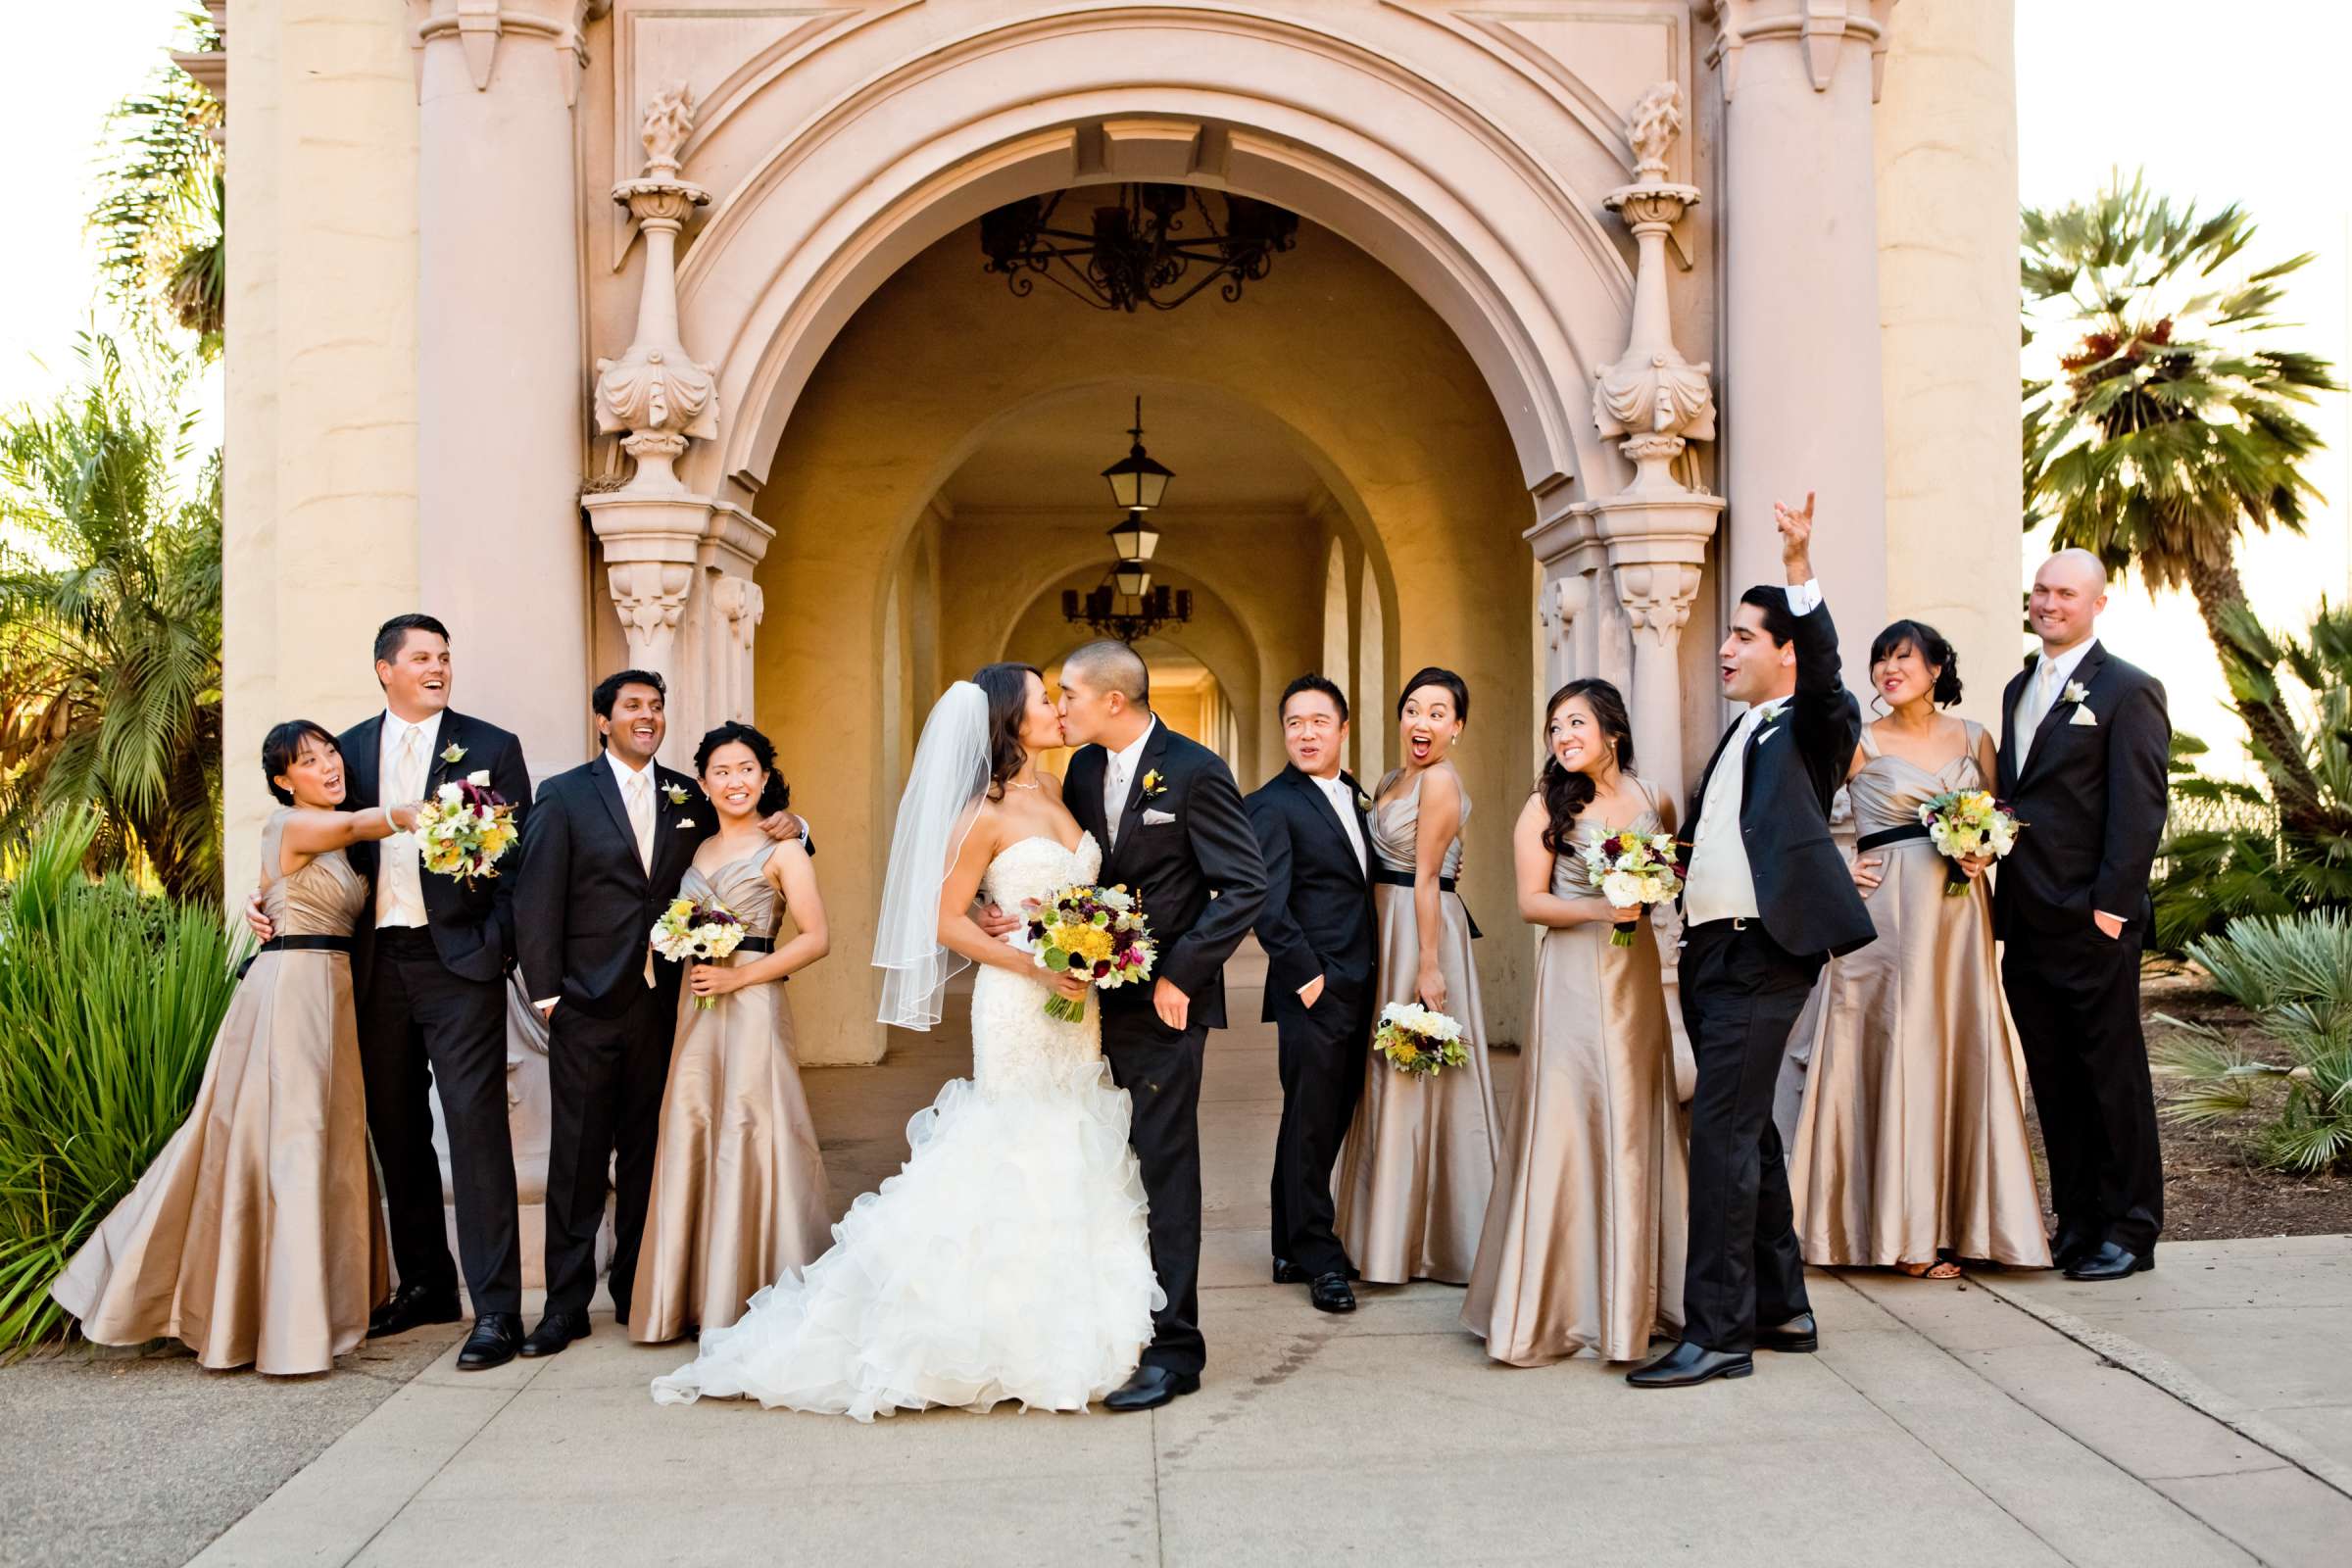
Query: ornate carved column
(499, 435)
(1802, 383)
(1655, 530)
(678, 564)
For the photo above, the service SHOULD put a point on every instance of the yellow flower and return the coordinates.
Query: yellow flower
(1405, 1054)
(1088, 942)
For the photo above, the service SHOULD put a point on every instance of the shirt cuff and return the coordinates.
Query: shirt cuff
(1301, 992)
(2119, 919)
(1804, 597)
(546, 1002)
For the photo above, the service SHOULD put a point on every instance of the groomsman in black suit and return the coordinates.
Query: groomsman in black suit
(2083, 741)
(1767, 900)
(1321, 941)
(429, 961)
(1173, 827)
(604, 851)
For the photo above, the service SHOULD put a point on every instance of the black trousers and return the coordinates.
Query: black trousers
(605, 1080)
(423, 1029)
(2076, 1000)
(1321, 1054)
(1160, 1069)
(1741, 993)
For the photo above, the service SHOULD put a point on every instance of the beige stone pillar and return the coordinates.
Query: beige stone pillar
(501, 426)
(1801, 379)
(1947, 294)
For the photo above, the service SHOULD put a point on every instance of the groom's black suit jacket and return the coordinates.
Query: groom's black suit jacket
(472, 927)
(585, 904)
(1206, 849)
(1793, 766)
(1318, 917)
(2092, 797)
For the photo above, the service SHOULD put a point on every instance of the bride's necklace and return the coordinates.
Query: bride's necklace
(1031, 785)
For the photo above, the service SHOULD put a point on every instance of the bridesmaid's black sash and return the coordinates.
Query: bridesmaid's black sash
(1404, 879)
(297, 944)
(756, 945)
(1892, 835)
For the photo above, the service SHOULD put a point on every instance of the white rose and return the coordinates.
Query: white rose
(1620, 889)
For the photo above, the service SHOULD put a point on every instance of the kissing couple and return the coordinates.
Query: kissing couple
(1042, 1243)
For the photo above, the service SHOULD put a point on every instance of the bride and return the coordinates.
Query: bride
(1008, 1258)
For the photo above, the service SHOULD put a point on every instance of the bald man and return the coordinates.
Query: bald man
(2083, 742)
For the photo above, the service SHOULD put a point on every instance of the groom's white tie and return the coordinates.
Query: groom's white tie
(641, 816)
(2039, 698)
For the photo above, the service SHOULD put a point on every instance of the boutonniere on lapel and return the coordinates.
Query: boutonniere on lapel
(452, 754)
(1765, 726)
(1363, 802)
(1153, 785)
(2079, 695)
(677, 794)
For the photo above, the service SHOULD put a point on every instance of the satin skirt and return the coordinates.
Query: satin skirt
(1584, 1242)
(256, 1237)
(1418, 1164)
(739, 1186)
(1912, 1140)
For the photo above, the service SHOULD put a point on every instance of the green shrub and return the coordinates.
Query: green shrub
(108, 1001)
(2295, 975)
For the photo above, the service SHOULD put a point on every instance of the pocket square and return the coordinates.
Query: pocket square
(1767, 735)
(683, 822)
(2084, 716)
(1153, 818)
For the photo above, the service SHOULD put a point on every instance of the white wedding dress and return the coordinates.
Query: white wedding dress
(1007, 1260)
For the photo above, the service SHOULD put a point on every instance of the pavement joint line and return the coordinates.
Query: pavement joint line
(2169, 1377)
(1937, 1454)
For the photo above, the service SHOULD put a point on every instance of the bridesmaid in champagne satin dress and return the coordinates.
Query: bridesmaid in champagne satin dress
(738, 1196)
(1418, 1163)
(1911, 1148)
(1583, 1247)
(256, 1237)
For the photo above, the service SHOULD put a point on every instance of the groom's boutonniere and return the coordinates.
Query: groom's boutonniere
(2076, 691)
(1153, 785)
(1363, 802)
(677, 794)
(452, 754)
(1772, 712)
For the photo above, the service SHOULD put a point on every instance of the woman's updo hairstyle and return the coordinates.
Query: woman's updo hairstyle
(1566, 793)
(1931, 646)
(775, 794)
(282, 744)
(1444, 680)
(1007, 687)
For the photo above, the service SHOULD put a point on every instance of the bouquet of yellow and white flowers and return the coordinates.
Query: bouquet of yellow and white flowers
(1966, 823)
(1417, 1041)
(697, 932)
(465, 829)
(1633, 868)
(1096, 932)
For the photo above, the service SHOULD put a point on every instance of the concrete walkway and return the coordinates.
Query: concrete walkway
(2198, 1415)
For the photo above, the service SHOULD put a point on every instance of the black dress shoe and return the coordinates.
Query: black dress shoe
(2108, 1261)
(1287, 1272)
(495, 1339)
(1687, 1364)
(2067, 1248)
(556, 1330)
(413, 1306)
(1150, 1388)
(1794, 1337)
(1329, 1292)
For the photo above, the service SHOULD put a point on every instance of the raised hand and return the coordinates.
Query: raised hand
(1797, 531)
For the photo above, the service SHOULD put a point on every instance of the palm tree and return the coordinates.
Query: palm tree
(2170, 428)
(109, 624)
(160, 213)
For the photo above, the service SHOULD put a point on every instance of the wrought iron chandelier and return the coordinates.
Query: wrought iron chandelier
(1143, 249)
(1126, 603)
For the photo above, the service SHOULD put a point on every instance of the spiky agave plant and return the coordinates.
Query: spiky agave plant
(2295, 975)
(109, 1002)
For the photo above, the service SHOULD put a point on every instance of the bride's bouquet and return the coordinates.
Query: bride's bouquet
(1417, 1041)
(692, 931)
(1634, 868)
(465, 829)
(1966, 823)
(1093, 931)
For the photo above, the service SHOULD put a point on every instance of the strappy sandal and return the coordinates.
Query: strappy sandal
(1943, 1268)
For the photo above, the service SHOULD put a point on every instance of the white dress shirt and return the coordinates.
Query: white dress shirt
(1722, 884)
(1342, 801)
(1118, 776)
(403, 761)
(2051, 672)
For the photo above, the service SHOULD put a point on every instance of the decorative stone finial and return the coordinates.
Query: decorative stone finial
(1657, 121)
(1651, 395)
(669, 122)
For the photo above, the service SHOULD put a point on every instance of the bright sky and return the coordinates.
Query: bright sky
(2239, 103)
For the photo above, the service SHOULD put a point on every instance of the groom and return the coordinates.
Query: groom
(1768, 898)
(2083, 742)
(1173, 827)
